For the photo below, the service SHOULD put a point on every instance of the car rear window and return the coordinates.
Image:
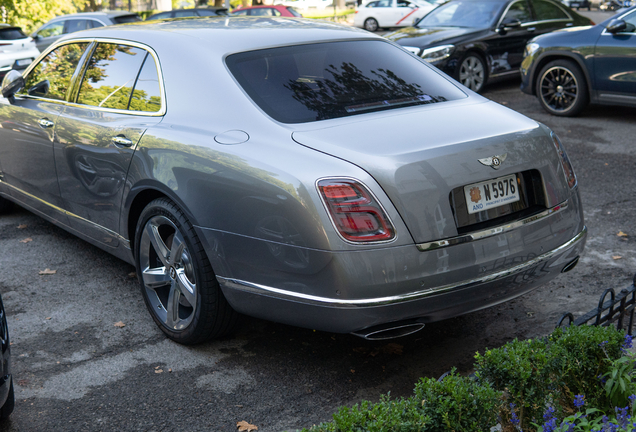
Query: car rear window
(11, 34)
(322, 81)
(294, 12)
(123, 19)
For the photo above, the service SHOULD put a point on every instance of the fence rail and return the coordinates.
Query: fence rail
(617, 310)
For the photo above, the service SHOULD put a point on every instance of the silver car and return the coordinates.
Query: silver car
(287, 169)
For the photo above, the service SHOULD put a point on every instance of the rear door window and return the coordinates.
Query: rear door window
(51, 77)
(123, 19)
(11, 33)
(110, 75)
(547, 11)
(518, 10)
(74, 25)
(322, 81)
(53, 29)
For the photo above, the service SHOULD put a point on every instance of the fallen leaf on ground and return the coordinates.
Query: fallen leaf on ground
(22, 226)
(621, 234)
(48, 318)
(26, 240)
(616, 257)
(244, 426)
(158, 370)
(47, 271)
(132, 275)
(120, 324)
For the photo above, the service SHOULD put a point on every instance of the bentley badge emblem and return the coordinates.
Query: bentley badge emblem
(494, 161)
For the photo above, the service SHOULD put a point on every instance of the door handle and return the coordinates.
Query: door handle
(46, 123)
(122, 141)
(531, 29)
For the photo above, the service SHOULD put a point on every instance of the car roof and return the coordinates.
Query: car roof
(246, 32)
(108, 14)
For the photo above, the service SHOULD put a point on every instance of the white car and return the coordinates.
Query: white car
(390, 13)
(17, 50)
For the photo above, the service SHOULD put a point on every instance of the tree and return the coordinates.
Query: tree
(31, 14)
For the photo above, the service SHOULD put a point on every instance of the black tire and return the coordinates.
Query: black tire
(371, 24)
(177, 280)
(9, 404)
(472, 72)
(561, 88)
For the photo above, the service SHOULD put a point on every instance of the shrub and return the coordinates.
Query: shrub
(457, 403)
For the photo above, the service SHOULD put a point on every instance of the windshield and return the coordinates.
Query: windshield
(463, 14)
(322, 81)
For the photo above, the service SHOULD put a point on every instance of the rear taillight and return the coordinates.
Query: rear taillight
(570, 177)
(354, 211)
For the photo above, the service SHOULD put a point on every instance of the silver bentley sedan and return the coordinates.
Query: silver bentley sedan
(287, 169)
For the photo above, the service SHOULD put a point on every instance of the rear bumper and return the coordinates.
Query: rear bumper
(354, 291)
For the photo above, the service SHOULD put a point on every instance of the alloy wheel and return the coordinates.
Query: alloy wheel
(168, 274)
(559, 89)
(472, 73)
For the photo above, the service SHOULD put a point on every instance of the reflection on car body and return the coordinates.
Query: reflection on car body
(298, 188)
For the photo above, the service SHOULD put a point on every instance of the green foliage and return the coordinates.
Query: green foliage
(537, 374)
(457, 403)
(387, 415)
(31, 14)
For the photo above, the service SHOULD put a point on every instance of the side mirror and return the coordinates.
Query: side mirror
(508, 24)
(11, 84)
(616, 26)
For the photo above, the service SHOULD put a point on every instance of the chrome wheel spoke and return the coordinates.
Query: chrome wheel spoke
(172, 308)
(155, 277)
(178, 245)
(152, 231)
(186, 288)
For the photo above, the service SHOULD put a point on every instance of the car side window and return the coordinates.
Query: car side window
(162, 15)
(240, 12)
(74, 25)
(548, 11)
(630, 19)
(518, 10)
(402, 3)
(110, 75)
(51, 77)
(147, 93)
(184, 13)
(94, 24)
(53, 29)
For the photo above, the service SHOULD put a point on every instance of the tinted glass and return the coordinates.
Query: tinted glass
(463, 14)
(519, 10)
(54, 29)
(52, 75)
(381, 3)
(95, 24)
(293, 11)
(126, 19)
(240, 12)
(184, 13)
(110, 76)
(329, 80)
(147, 93)
(212, 12)
(548, 11)
(630, 19)
(71, 26)
(264, 12)
(161, 15)
(11, 33)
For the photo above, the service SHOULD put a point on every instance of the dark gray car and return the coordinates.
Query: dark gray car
(326, 182)
(59, 26)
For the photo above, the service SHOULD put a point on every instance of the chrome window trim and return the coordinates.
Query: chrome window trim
(383, 301)
(333, 223)
(490, 232)
(145, 47)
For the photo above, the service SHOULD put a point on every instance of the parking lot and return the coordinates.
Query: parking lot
(87, 356)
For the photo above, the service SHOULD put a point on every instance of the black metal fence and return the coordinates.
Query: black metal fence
(618, 310)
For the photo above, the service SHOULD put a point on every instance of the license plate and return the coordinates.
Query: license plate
(23, 62)
(492, 193)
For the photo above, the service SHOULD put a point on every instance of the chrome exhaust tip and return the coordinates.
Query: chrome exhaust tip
(570, 265)
(390, 330)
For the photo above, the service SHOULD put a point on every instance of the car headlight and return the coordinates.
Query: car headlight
(437, 53)
(531, 48)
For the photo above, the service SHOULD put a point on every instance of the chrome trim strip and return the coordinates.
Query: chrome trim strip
(111, 233)
(492, 231)
(383, 301)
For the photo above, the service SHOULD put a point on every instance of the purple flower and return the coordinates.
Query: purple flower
(627, 343)
(579, 401)
(602, 344)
